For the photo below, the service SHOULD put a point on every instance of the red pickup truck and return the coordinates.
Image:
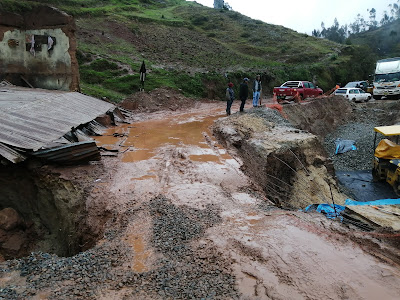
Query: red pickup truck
(290, 89)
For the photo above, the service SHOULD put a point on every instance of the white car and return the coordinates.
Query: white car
(353, 94)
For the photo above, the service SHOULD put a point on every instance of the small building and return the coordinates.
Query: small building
(37, 49)
(218, 4)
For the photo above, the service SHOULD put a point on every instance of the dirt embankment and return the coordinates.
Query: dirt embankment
(326, 115)
(319, 117)
(359, 127)
(158, 99)
(56, 206)
(289, 164)
(286, 154)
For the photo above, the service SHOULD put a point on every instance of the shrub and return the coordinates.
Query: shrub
(102, 65)
(199, 20)
(125, 85)
(334, 56)
(91, 76)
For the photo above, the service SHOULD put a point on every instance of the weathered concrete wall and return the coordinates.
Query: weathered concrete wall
(47, 67)
(218, 4)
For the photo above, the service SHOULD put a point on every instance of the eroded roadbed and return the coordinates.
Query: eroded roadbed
(184, 221)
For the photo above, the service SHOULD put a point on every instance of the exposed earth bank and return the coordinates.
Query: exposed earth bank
(182, 217)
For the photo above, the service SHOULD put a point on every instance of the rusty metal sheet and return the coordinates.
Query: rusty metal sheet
(32, 118)
(80, 152)
(10, 154)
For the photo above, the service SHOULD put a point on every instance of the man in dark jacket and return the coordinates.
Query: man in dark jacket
(230, 96)
(243, 93)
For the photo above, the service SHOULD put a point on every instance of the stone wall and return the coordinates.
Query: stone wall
(50, 62)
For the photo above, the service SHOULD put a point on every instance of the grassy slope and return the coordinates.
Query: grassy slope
(191, 47)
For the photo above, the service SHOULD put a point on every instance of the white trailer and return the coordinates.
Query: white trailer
(387, 78)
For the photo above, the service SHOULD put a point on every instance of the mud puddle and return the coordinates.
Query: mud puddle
(144, 140)
(276, 254)
(212, 233)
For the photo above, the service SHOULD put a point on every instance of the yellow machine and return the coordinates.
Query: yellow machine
(387, 157)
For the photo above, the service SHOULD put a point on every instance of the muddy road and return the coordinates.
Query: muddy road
(185, 221)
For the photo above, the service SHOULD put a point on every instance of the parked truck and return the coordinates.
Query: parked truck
(387, 79)
(302, 89)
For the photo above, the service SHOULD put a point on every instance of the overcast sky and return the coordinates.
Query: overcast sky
(306, 15)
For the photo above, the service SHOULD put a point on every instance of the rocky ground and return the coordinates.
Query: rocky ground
(185, 219)
(360, 128)
(289, 164)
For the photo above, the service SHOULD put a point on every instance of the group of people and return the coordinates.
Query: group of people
(243, 94)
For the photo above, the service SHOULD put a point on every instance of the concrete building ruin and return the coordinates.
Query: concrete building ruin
(43, 115)
(37, 49)
(218, 4)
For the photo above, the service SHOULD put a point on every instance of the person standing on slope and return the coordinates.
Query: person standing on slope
(256, 90)
(243, 93)
(230, 96)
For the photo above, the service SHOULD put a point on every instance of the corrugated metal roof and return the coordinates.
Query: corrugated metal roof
(71, 154)
(32, 118)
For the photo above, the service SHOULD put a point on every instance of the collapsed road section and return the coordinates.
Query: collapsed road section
(42, 209)
(183, 218)
(289, 164)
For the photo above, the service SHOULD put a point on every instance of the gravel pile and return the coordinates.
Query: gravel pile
(361, 130)
(360, 159)
(187, 272)
(186, 269)
(42, 271)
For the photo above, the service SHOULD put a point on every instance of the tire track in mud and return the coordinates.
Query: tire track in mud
(273, 254)
(183, 227)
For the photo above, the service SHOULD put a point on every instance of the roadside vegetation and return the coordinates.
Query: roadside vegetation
(195, 49)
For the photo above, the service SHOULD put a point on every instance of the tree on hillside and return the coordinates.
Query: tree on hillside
(227, 6)
(394, 11)
(335, 33)
(341, 33)
(373, 23)
(385, 19)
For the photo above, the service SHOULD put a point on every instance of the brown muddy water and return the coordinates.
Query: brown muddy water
(143, 140)
(271, 253)
(276, 254)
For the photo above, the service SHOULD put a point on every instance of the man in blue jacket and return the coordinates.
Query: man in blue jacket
(256, 90)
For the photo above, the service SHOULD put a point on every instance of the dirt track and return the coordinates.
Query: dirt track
(187, 222)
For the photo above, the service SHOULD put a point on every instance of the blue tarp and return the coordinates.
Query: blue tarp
(376, 202)
(327, 209)
(343, 146)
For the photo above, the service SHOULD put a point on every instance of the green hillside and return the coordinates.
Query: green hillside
(383, 41)
(194, 48)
